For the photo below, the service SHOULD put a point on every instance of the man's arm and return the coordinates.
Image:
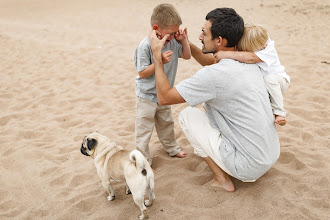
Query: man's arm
(241, 56)
(200, 57)
(166, 95)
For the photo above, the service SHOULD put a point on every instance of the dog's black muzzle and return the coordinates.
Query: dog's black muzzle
(83, 151)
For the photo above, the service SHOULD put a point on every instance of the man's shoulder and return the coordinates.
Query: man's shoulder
(230, 64)
(228, 68)
(206, 69)
(222, 66)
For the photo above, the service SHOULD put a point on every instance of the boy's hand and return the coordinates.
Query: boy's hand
(181, 35)
(167, 56)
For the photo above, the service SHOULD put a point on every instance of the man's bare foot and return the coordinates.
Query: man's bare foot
(181, 154)
(280, 120)
(227, 184)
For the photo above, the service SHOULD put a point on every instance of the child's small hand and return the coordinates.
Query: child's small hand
(218, 56)
(181, 35)
(167, 56)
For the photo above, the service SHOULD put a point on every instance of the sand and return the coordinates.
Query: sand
(67, 69)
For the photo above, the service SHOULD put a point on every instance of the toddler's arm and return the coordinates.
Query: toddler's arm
(241, 56)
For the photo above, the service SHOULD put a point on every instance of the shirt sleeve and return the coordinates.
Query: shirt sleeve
(269, 54)
(142, 57)
(197, 89)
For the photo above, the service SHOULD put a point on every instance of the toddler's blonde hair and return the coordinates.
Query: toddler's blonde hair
(254, 38)
(165, 15)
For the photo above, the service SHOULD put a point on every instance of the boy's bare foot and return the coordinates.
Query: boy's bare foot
(181, 154)
(280, 120)
(227, 184)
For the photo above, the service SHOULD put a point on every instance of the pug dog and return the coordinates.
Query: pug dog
(113, 163)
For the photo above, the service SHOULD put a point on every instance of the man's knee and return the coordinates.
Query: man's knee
(183, 116)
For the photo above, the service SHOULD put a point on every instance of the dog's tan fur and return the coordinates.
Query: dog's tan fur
(113, 163)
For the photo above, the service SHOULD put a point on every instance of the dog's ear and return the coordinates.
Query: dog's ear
(91, 143)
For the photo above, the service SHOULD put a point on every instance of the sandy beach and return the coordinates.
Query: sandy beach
(67, 69)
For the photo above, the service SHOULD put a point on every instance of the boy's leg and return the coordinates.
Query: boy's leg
(144, 124)
(165, 129)
(276, 85)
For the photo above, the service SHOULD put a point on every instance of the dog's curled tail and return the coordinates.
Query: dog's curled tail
(137, 157)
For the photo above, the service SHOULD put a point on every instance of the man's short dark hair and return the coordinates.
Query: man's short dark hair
(227, 24)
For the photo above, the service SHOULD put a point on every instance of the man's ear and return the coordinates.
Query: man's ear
(222, 41)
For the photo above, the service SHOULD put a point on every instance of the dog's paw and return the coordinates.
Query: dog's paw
(111, 198)
(128, 191)
(143, 217)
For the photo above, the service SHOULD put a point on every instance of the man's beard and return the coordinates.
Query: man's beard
(206, 51)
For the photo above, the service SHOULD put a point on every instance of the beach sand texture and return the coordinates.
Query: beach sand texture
(67, 69)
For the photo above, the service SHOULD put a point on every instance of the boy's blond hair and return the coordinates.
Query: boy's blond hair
(254, 38)
(165, 15)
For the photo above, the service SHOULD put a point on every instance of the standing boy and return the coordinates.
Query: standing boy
(149, 114)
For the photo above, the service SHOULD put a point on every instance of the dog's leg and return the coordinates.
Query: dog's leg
(138, 199)
(137, 185)
(111, 194)
(108, 187)
(150, 191)
(128, 191)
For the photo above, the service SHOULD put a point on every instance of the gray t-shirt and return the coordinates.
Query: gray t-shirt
(237, 104)
(146, 88)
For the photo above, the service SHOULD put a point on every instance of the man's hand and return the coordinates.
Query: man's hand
(157, 44)
(165, 93)
(167, 56)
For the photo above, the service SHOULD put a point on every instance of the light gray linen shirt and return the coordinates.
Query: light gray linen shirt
(146, 88)
(237, 105)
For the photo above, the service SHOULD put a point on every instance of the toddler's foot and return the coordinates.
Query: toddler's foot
(181, 154)
(280, 120)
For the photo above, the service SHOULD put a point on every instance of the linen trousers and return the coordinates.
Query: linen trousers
(149, 115)
(202, 136)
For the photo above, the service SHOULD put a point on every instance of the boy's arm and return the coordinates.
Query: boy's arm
(241, 56)
(147, 71)
(166, 57)
(186, 52)
(182, 38)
